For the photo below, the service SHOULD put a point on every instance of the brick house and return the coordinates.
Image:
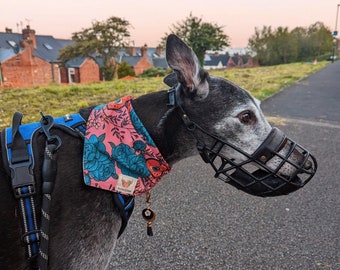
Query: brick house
(24, 69)
(28, 59)
(222, 61)
(80, 70)
(141, 59)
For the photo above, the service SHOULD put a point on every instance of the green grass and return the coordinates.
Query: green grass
(58, 100)
(266, 81)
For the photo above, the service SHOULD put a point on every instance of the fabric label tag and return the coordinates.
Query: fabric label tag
(126, 184)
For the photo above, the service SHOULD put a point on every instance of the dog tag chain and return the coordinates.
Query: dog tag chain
(148, 214)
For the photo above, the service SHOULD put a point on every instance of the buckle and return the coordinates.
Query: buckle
(31, 237)
(172, 97)
(22, 176)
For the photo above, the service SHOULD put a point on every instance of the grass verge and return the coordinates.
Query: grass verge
(58, 100)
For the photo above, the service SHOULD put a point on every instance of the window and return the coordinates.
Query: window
(71, 75)
(48, 46)
(12, 43)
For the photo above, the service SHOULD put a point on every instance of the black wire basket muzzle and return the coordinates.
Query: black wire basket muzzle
(279, 166)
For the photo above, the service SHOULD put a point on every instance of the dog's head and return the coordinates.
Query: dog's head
(231, 131)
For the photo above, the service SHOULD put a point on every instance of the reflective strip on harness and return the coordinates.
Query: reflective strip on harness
(20, 160)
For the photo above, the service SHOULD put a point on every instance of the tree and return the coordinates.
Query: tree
(284, 46)
(320, 39)
(200, 36)
(300, 35)
(103, 39)
(279, 46)
(259, 43)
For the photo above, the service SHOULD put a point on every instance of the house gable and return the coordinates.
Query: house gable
(89, 71)
(142, 65)
(29, 59)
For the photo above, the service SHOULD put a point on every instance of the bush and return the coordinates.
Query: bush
(125, 70)
(154, 72)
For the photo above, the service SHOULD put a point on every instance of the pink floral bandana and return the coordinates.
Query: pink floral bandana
(119, 154)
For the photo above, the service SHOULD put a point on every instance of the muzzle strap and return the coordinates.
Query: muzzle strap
(273, 144)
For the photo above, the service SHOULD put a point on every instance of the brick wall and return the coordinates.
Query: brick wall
(89, 71)
(76, 75)
(86, 73)
(142, 65)
(63, 75)
(24, 69)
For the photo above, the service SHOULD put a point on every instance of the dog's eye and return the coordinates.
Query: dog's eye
(247, 117)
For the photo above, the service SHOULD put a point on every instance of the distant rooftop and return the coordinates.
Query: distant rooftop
(232, 51)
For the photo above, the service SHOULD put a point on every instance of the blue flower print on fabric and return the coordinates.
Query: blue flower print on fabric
(128, 161)
(139, 145)
(97, 161)
(140, 128)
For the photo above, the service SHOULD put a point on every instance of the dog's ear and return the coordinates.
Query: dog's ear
(183, 61)
(171, 80)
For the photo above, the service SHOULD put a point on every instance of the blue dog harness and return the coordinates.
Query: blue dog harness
(19, 155)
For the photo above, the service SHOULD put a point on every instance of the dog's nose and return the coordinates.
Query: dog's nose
(308, 165)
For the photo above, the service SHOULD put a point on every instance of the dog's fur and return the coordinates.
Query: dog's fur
(84, 223)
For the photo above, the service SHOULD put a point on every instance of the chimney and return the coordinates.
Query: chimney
(132, 51)
(28, 35)
(143, 50)
(159, 50)
(8, 30)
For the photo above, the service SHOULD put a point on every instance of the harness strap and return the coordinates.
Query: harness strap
(23, 186)
(125, 206)
(19, 148)
(49, 173)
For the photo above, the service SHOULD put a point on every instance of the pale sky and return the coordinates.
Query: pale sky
(150, 19)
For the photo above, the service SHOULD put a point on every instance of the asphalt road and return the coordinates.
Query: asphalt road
(203, 223)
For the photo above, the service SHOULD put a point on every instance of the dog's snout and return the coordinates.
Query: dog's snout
(308, 165)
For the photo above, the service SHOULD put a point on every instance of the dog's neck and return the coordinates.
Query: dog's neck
(164, 125)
